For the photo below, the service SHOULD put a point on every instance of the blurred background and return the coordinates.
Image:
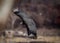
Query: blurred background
(45, 13)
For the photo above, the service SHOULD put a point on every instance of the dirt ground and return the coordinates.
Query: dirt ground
(44, 35)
